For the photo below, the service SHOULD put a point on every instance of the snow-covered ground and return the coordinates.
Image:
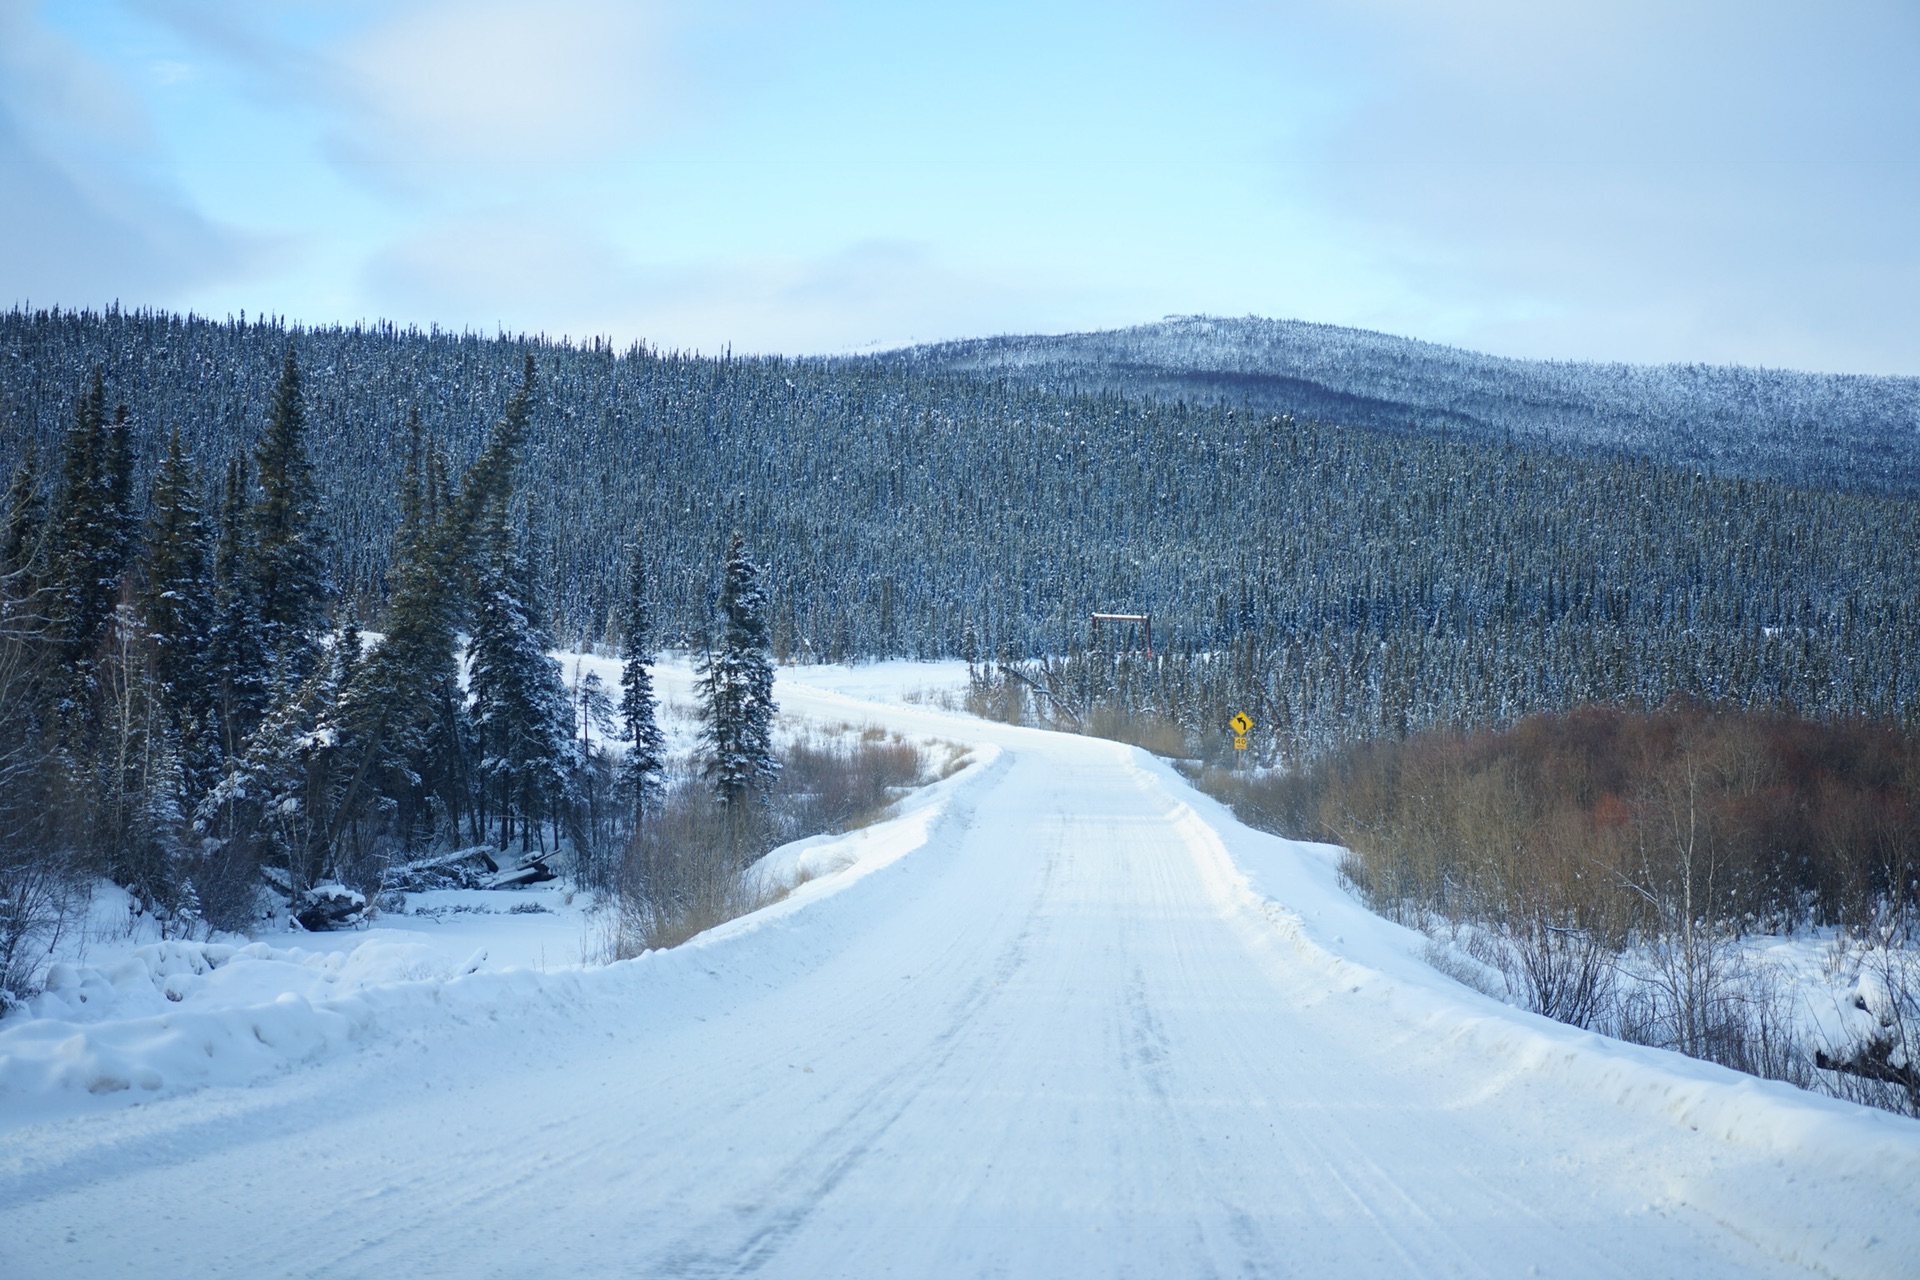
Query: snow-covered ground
(1063, 1016)
(1822, 987)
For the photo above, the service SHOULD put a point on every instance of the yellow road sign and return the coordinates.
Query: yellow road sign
(1242, 724)
(1239, 742)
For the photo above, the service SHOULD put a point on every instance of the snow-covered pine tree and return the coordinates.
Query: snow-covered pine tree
(522, 714)
(596, 779)
(736, 683)
(276, 805)
(88, 530)
(287, 555)
(177, 608)
(594, 708)
(488, 482)
(521, 710)
(409, 718)
(236, 646)
(646, 747)
(403, 700)
(122, 532)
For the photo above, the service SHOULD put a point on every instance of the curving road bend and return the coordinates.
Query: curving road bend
(1063, 1038)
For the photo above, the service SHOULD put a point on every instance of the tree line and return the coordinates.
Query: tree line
(189, 706)
(1334, 583)
(1846, 431)
(1230, 527)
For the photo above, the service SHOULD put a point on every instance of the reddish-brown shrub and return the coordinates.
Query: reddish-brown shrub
(1597, 815)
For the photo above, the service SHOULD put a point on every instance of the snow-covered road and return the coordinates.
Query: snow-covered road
(1089, 1027)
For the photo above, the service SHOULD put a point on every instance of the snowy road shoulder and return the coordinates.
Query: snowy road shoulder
(1061, 1015)
(1287, 893)
(175, 1016)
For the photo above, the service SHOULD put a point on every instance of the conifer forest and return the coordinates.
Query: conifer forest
(204, 516)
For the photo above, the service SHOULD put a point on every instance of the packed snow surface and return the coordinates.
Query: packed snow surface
(1061, 1017)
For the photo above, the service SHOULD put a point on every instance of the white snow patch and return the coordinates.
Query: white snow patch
(176, 1015)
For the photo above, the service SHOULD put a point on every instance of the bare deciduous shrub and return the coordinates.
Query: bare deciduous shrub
(1068, 694)
(688, 868)
(1563, 971)
(1003, 700)
(1711, 1001)
(683, 869)
(825, 786)
(40, 903)
(1619, 857)
(1158, 734)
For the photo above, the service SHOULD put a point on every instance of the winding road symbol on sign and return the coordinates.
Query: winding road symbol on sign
(1241, 724)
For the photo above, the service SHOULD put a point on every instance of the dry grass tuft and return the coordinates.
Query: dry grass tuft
(689, 866)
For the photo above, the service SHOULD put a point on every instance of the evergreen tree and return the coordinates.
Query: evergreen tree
(521, 711)
(486, 487)
(287, 555)
(596, 777)
(236, 648)
(522, 715)
(177, 603)
(278, 803)
(89, 529)
(410, 721)
(640, 772)
(736, 683)
(404, 699)
(121, 532)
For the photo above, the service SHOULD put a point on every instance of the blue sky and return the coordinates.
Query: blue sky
(1714, 181)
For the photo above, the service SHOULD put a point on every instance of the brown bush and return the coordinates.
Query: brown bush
(685, 870)
(1611, 820)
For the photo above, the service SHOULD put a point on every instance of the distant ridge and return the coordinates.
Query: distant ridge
(1844, 431)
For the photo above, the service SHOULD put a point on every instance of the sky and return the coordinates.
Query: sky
(1716, 181)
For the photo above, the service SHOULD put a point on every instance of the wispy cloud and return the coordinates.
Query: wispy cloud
(529, 271)
(90, 215)
(1729, 180)
(1708, 180)
(464, 90)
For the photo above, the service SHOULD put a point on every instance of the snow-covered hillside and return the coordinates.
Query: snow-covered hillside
(1845, 430)
(1061, 1017)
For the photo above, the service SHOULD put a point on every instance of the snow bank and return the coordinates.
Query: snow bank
(191, 1013)
(176, 1015)
(825, 864)
(1288, 893)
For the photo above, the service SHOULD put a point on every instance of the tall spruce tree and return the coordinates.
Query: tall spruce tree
(640, 771)
(522, 715)
(413, 733)
(236, 648)
(89, 530)
(177, 601)
(521, 711)
(404, 700)
(736, 683)
(287, 558)
(277, 804)
(486, 487)
(121, 535)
